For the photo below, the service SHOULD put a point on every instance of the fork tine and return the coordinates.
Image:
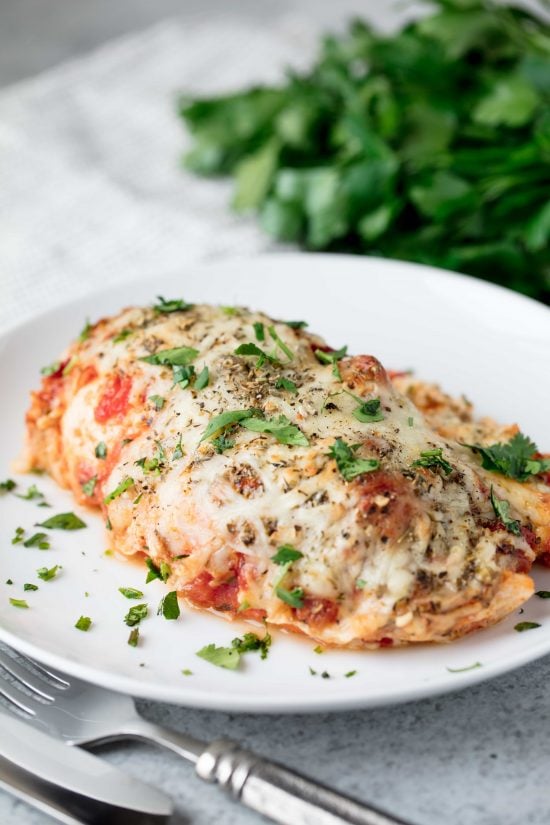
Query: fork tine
(15, 698)
(58, 679)
(22, 675)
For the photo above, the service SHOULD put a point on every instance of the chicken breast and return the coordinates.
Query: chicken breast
(270, 478)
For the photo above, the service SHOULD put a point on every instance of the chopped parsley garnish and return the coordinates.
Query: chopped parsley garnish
(150, 465)
(253, 349)
(122, 335)
(133, 638)
(136, 613)
(433, 459)
(294, 598)
(368, 411)
(161, 572)
(515, 458)
(222, 443)
(348, 464)
(157, 401)
(178, 450)
(9, 581)
(229, 657)
(39, 540)
(475, 666)
(187, 672)
(285, 554)
(86, 330)
(325, 674)
(169, 607)
(177, 357)
(51, 369)
(130, 592)
(18, 602)
(332, 358)
(202, 379)
(230, 310)
(350, 673)
(29, 586)
(184, 376)
(280, 428)
(89, 487)
(47, 574)
(543, 594)
(7, 486)
(502, 511)
(174, 305)
(63, 521)
(18, 537)
(259, 331)
(124, 485)
(312, 672)
(84, 623)
(360, 584)
(226, 657)
(410, 421)
(32, 493)
(286, 384)
(522, 626)
(296, 324)
(281, 344)
(318, 650)
(221, 422)
(101, 450)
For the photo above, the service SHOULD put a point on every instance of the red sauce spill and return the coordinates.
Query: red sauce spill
(114, 401)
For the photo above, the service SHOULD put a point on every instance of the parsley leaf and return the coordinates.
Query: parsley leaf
(227, 657)
(285, 554)
(86, 331)
(259, 331)
(174, 305)
(63, 521)
(136, 613)
(222, 443)
(348, 464)
(124, 485)
(101, 450)
(522, 626)
(294, 598)
(51, 369)
(202, 379)
(29, 586)
(177, 357)
(515, 458)
(169, 607)
(19, 603)
(131, 592)
(32, 494)
(221, 422)
(253, 349)
(281, 344)
(122, 335)
(252, 642)
(286, 384)
(433, 459)
(296, 324)
(157, 401)
(543, 594)
(89, 487)
(7, 486)
(502, 511)
(39, 540)
(161, 572)
(332, 358)
(281, 428)
(48, 574)
(133, 638)
(368, 411)
(84, 623)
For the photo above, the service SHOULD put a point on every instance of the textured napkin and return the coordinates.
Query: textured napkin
(91, 188)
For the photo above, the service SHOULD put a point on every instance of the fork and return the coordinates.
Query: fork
(83, 714)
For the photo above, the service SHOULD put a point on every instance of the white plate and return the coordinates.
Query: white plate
(472, 337)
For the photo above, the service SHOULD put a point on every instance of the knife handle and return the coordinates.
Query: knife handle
(282, 795)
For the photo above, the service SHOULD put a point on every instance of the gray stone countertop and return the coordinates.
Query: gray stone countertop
(478, 757)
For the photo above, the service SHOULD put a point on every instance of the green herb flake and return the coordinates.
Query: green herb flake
(136, 613)
(84, 623)
(7, 486)
(294, 598)
(332, 358)
(177, 357)
(516, 458)
(130, 592)
(286, 384)
(222, 443)
(169, 607)
(179, 452)
(9, 581)
(432, 460)
(89, 487)
(168, 306)
(350, 673)
(101, 450)
(32, 494)
(367, 412)
(259, 331)
(522, 626)
(133, 638)
(202, 379)
(252, 642)
(360, 584)
(280, 343)
(187, 672)
(227, 657)
(157, 401)
(543, 594)
(348, 464)
(122, 335)
(475, 666)
(39, 540)
(296, 324)
(19, 603)
(221, 422)
(19, 535)
(28, 586)
(501, 508)
(51, 369)
(47, 574)
(124, 485)
(85, 332)
(318, 650)
(63, 521)
(325, 675)
(312, 671)
(285, 554)
(280, 428)
(410, 421)
(261, 355)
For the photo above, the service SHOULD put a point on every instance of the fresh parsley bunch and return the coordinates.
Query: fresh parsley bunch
(430, 145)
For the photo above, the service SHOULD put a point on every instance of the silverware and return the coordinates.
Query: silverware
(73, 786)
(83, 714)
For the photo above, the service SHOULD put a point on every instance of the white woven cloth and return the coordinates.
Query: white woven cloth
(91, 191)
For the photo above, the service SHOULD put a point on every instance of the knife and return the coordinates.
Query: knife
(71, 784)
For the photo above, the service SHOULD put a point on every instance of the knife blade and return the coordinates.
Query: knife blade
(93, 790)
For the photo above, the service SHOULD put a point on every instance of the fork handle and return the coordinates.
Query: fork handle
(282, 795)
